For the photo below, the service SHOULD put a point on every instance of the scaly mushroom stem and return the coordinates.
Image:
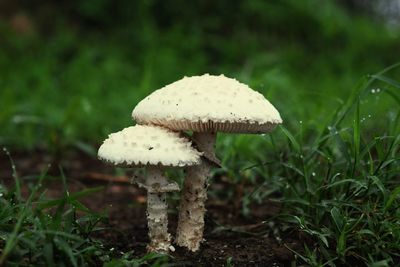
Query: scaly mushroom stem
(157, 217)
(192, 207)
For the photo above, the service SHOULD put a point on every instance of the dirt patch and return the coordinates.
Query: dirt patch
(246, 241)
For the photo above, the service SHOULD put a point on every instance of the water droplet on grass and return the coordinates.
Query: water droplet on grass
(375, 90)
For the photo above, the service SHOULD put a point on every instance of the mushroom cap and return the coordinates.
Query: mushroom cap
(143, 145)
(208, 103)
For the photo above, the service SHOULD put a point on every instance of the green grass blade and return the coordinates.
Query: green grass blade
(71, 197)
(387, 80)
(12, 239)
(14, 175)
(393, 196)
(356, 137)
(292, 139)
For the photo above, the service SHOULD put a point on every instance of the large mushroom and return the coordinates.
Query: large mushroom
(155, 148)
(206, 105)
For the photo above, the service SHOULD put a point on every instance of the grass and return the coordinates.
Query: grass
(338, 185)
(38, 231)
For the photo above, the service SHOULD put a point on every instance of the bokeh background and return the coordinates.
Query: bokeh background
(72, 71)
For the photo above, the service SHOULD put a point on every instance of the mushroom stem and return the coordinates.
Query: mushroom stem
(192, 206)
(157, 217)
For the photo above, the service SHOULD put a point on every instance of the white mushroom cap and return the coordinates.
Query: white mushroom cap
(148, 145)
(208, 103)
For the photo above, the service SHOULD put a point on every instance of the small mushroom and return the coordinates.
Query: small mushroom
(136, 146)
(207, 104)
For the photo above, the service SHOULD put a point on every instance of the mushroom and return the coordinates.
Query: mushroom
(155, 148)
(206, 105)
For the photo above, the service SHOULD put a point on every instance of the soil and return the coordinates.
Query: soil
(247, 240)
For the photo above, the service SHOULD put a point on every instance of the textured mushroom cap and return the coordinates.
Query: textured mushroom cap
(142, 145)
(208, 103)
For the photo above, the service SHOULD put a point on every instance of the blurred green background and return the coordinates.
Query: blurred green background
(72, 71)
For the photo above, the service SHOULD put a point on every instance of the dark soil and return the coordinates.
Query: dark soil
(248, 241)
